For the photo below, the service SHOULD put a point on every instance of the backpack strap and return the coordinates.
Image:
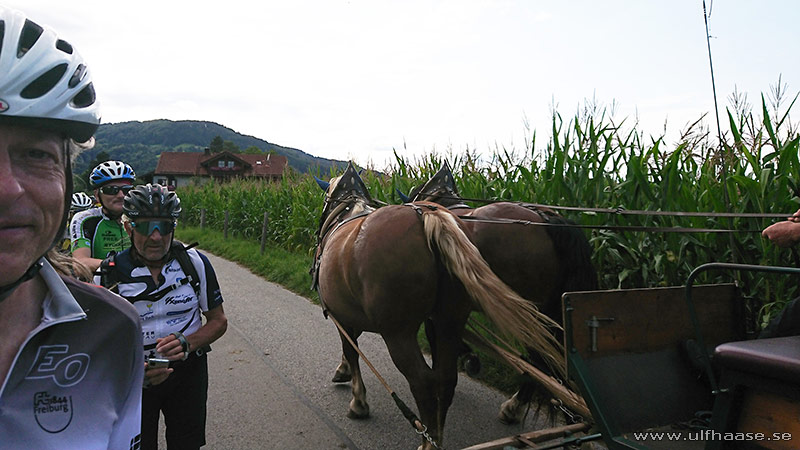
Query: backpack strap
(109, 278)
(179, 252)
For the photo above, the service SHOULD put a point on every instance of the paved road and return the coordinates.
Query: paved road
(270, 382)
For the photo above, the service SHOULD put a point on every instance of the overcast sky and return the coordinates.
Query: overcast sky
(355, 79)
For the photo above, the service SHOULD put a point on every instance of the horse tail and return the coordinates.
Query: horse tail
(513, 314)
(575, 253)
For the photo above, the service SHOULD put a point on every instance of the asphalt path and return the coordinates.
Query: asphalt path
(270, 382)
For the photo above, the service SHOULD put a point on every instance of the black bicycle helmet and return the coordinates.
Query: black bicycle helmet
(152, 200)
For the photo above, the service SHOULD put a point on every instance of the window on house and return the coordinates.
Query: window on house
(220, 163)
(230, 164)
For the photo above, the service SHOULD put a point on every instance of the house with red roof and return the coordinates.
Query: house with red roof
(178, 168)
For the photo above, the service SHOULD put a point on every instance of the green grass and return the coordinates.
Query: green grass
(278, 265)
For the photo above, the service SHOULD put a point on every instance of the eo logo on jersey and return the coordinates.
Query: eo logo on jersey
(53, 412)
(53, 361)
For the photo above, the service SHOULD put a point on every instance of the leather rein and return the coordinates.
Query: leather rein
(536, 207)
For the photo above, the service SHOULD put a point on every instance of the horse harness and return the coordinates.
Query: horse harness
(334, 222)
(328, 226)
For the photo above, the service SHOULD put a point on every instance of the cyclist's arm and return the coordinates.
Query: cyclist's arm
(82, 243)
(215, 326)
(84, 255)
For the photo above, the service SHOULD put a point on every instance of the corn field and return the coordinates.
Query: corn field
(588, 161)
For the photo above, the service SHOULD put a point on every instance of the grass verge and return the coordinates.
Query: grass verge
(277, 265)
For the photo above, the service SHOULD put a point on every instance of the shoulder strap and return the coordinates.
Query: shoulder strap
(109, 276)
(179, 252)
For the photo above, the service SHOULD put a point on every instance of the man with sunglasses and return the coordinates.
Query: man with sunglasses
(97, 232)
(171, 287)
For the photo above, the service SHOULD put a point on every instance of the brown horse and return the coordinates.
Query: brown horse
(539, 262)
(388, 270)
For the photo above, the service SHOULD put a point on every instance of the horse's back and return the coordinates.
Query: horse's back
(379, 268)
(522, 255)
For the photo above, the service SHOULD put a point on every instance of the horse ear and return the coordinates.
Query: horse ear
(323, 184)
(403, 197)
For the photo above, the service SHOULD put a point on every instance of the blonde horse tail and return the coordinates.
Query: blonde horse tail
(515, 316)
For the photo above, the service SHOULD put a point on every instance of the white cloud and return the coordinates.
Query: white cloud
(354, 79)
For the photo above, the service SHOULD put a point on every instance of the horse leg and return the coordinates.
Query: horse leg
(407, 357)
(513, 410)
(430, 335)
(343, 374)
(470, 363)
(359, 409)
(449, 346)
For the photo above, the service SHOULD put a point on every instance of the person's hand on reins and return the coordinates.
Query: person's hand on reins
(786, 233)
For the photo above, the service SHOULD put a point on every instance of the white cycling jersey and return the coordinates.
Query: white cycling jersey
(171, 305)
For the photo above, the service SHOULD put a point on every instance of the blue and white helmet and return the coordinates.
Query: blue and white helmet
(44, 82)
(110, 171)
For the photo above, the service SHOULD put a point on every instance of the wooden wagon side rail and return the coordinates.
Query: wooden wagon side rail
(532, 438)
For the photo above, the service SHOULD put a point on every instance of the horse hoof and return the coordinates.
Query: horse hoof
(510, 411)
(507, 420)
(472, 365)
(358, 415)
(340, 377)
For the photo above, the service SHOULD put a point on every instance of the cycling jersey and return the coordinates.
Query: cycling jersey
(76, 381)
(94, 230)
(171, 305)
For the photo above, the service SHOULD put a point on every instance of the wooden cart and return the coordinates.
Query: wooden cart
(653, 364)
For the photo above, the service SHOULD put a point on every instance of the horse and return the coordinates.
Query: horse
(539, 262)
(387, 270)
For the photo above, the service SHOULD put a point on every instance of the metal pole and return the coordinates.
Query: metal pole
(719, 136)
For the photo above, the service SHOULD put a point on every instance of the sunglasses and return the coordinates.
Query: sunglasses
(114, 190)
(146, 227)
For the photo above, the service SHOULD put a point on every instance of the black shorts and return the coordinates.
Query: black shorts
(182, 399)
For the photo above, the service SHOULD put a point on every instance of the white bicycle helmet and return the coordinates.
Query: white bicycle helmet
(80, 201)
(44, 82)
(110, 171)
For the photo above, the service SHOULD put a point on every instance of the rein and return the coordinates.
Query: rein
(412, 418)
(626, 212)
(604, 227)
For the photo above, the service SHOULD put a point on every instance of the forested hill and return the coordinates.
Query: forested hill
(140, 143)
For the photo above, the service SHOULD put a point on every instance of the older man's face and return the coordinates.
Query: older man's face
(32, 185)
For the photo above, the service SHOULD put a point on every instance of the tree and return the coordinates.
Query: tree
(216, 144)
(252, 150)
(229, 146)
